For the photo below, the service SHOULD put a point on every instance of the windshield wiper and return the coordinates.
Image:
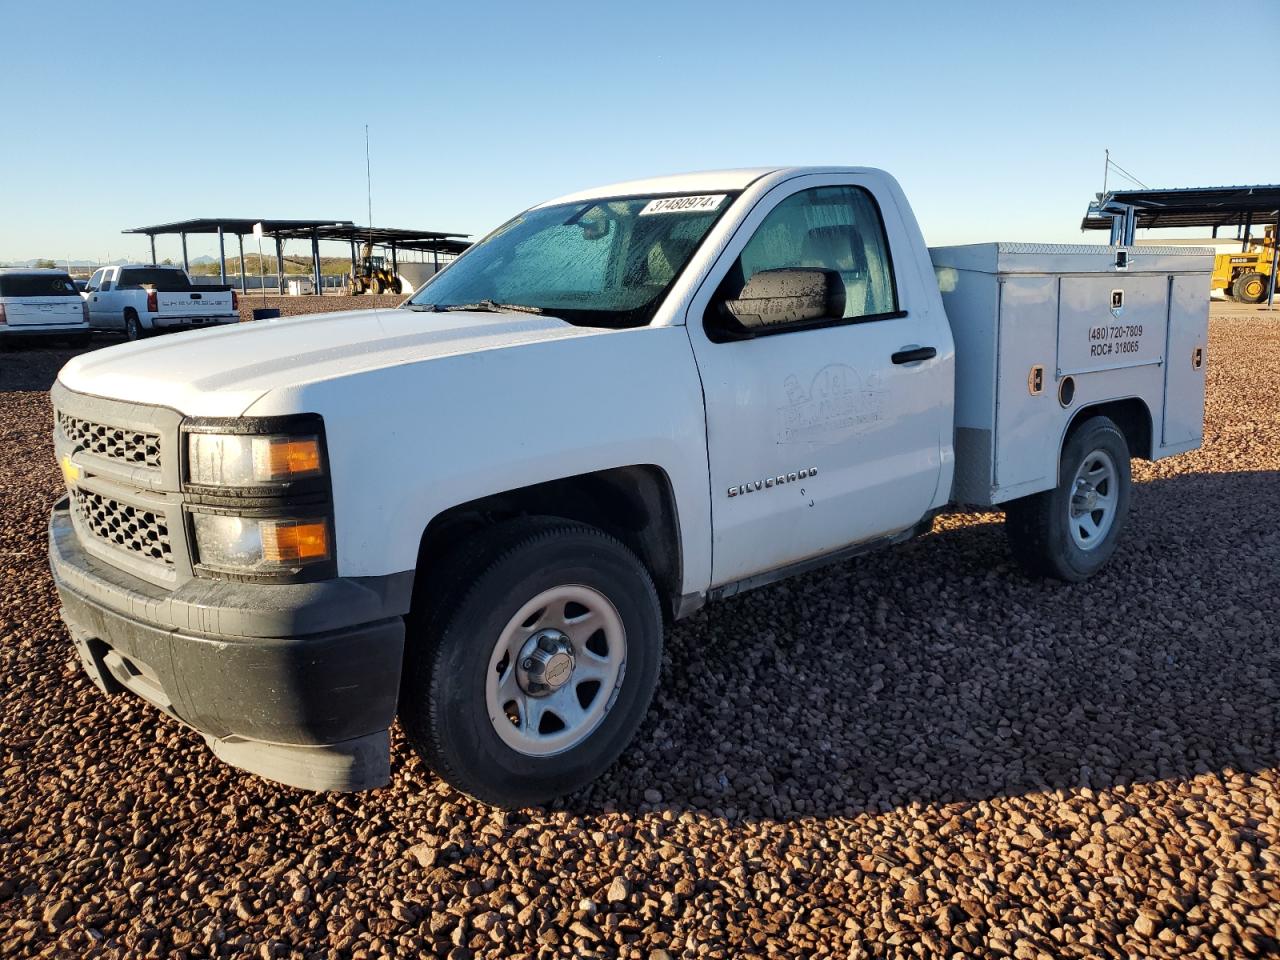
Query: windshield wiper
(489, 306)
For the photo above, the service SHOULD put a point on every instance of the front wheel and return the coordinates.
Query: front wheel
(536, 663)
(1251, 287)
(1071, 531)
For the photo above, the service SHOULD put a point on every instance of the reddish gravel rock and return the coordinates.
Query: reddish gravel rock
(917, 754)
(295, 306)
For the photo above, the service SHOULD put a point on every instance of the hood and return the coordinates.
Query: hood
(221, 371)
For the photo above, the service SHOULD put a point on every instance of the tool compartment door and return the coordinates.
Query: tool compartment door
(1184, 379)
(1111, 322)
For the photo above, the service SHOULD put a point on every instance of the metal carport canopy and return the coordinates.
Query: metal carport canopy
(430, 241)
(1189, 206)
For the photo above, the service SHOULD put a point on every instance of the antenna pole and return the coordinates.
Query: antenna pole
(368, 180)
(1106, 168)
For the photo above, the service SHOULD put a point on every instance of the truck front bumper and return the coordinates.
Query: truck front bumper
(308, 703)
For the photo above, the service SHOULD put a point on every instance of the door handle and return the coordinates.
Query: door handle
(914, 354)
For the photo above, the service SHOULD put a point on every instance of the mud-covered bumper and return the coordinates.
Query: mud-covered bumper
(297, 683)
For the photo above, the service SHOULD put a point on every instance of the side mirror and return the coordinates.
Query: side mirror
(792, 295)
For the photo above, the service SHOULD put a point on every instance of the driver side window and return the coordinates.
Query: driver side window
(829, 228)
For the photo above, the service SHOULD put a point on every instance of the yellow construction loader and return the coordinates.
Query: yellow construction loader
(372, 275)
(1246, 276)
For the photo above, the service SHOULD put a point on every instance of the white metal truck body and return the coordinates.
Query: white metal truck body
(769, 453)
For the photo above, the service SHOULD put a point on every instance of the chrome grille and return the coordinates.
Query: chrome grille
(136, 529)
(135, 447)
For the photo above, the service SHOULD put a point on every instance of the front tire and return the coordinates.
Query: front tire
(1251, 287)
(1071, 531)
(535, 664)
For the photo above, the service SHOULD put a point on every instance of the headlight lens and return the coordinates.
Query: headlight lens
(260, 545)
(239, 460)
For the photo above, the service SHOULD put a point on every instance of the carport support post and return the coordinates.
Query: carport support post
(395, 267)
(222, 258)
(315, 262)
(279, 265)
(240, 238)
(1275, 259)
(435, 261)
(186, 263)
(353, 258)
(153, 246)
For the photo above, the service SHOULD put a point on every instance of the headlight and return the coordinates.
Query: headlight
(260, 544)
(241, 460)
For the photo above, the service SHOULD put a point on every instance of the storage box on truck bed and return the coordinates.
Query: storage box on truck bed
(1043, 331)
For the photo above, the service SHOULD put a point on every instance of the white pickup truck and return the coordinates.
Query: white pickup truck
(478, 511)
(142, 299)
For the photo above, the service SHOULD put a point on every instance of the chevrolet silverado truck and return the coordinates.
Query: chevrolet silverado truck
(478, 511)
(143, 299)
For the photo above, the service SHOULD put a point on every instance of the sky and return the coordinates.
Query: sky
(993, 116)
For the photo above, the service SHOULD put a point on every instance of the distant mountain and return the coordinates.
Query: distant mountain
(75, 264)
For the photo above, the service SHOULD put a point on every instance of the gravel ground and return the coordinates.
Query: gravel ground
(292, 306)
(921, 754)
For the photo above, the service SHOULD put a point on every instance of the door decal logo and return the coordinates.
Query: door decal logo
(838, 404)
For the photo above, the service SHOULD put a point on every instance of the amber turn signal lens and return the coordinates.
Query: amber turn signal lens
(294, 541)
(283, 459)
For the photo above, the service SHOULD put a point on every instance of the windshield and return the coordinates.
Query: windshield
(604, 263)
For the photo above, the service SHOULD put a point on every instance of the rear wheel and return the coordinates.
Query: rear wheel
(536, 664)
(1071, 531)
(1250, 287)
(133, 328)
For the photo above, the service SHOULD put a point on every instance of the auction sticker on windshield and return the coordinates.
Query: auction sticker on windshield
(684, 204)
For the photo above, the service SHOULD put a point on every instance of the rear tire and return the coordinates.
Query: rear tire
(496, 711)
(133, 328)
(1071, 531)
(1251, 287)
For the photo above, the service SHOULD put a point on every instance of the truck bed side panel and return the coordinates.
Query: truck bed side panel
(1025, 422)
(1184, 383)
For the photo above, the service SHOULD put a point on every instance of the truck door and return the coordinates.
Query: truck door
(105, 307)
(91, 298)
(830, 433)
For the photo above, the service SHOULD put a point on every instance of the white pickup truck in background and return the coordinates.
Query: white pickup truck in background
(478, 511)
(142, 299)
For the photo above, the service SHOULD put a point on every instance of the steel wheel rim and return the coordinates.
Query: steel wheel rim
(1095, 493)
(542, 723)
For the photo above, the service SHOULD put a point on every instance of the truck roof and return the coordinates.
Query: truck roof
(33, 271)
(699, 182)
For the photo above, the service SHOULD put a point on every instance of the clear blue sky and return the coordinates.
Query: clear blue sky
(993, 115)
